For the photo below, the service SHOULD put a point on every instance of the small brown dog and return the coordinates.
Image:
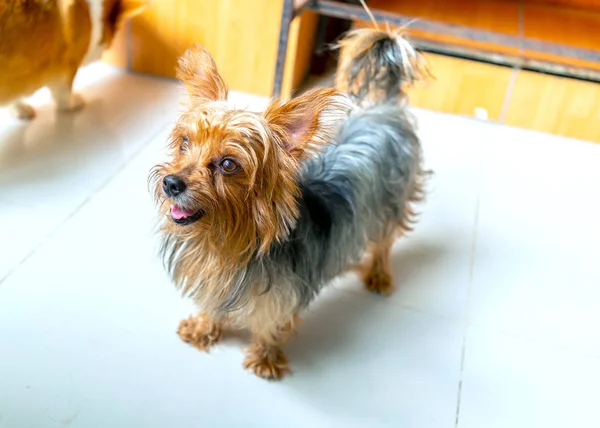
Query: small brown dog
(44, 42)
(260, 211)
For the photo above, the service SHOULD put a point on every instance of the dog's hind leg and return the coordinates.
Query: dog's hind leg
(200, 331)
(62, 92)
(376, 267)
(377, 272)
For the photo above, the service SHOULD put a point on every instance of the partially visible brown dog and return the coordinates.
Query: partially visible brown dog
(44, 42)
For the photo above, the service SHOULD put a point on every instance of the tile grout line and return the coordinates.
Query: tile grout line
(508, 95)
(79, 207)
(515, 70)
(468, 310)
(467, 319)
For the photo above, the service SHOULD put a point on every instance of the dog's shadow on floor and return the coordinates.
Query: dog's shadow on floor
(330, 324)
(348, 330)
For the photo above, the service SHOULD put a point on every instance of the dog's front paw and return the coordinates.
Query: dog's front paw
(267, 363)
(22, 111)
(379, 282)
(199, 332)
(70, 102)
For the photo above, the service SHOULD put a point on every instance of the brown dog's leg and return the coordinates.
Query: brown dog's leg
(264, 356)
(62, 92)
(200, 331)
(377, 277)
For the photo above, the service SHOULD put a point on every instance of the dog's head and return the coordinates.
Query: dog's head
(232, 174)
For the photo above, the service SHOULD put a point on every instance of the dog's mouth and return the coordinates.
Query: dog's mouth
(183, 216)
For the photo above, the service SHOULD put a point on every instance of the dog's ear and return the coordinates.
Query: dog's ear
(308, 121)
(198, 73)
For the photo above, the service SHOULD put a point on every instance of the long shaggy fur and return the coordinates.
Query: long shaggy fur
(357, 192)
(321, 184)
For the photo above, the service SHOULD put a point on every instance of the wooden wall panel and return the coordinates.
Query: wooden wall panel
(537, 101)
(559, 25)
(574, 4)
(556, 105)
(460, 86)
(242, 36)
(574, 27)
(571, 22)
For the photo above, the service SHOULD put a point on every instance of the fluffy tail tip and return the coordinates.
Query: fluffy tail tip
(375, 65)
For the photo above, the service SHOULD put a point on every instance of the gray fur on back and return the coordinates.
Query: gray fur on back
(356, 192)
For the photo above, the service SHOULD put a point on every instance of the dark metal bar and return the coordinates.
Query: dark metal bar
(347, 11)
(287, 15)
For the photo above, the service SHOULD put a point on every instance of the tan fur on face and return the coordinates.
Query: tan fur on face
(247, 211)
(43, 42)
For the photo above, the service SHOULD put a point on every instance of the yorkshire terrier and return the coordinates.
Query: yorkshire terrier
(259, 211)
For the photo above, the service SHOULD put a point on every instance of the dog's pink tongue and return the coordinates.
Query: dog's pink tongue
(178, 213)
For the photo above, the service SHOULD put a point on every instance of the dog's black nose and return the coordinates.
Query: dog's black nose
(173, 185)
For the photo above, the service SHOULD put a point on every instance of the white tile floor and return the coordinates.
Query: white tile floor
(495, 322)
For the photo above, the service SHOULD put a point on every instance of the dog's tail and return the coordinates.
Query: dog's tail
(376, 65)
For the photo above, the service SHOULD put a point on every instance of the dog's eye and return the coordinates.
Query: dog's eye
(229, 166)
(185, 142)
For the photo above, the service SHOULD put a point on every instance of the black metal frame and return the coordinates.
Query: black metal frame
(292, 8)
